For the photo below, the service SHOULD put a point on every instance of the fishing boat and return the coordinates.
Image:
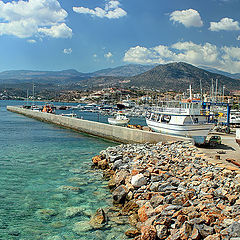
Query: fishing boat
(186, 120)
(120, 119)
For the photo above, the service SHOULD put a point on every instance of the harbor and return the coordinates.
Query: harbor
(116, 133)
(226, 150)
(119, 120)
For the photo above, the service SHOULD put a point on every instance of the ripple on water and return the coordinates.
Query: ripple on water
(45, 171)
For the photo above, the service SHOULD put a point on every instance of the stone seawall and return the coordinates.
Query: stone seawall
(171, 191)
(115, 133)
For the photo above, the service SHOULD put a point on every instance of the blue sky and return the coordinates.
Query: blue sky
(89, 35)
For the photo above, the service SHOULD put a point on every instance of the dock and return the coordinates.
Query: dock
(107, 131)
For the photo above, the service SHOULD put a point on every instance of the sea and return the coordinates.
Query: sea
(45, 171)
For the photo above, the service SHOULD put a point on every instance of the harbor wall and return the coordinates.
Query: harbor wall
(115, 133)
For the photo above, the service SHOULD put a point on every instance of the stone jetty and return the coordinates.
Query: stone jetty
(171, 191)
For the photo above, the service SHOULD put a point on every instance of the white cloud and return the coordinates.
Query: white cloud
(31, 41)
(25, 19)
(108, 55)
(224, 58)
(95, 55)
(238, 38)
(226, 24)
(189, 18)
(67, 50)
(57, 31)
(111, 10)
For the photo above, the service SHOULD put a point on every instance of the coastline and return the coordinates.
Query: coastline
(171, 191)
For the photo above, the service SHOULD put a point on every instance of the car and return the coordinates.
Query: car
(215, 140)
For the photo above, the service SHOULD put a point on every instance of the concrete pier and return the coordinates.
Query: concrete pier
(115, 133)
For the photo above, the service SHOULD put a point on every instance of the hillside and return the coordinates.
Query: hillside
(172, 76)
(227, 74)
(178, 76)
(123, 71)
(54, 77)
(68, 76)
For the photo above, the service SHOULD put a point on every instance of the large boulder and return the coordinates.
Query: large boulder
(148, 233)
(96, 159)
(138, 180)
(119, 194)
(145, 212)
(162, 231)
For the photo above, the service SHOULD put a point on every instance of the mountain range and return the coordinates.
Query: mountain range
(173, 76)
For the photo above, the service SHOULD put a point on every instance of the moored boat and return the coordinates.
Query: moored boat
(238, 136)
(69, 115)
(186, 121)
(120, 119)
(235, 119)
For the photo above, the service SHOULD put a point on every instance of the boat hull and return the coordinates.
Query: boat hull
(198, 132)
(113, 121)
(238, 136)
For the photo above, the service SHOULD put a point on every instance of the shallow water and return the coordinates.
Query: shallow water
(44, 169)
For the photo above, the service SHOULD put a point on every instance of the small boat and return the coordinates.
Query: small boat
(186, 120)
(69, 115)
(36, 108)
(238, 136)
(120, 119)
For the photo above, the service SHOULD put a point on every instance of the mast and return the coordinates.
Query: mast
(201, 89)
(216, 90)
(212, 91)
(27, 97)
(33, 92)
(190, 91)
(223, 93)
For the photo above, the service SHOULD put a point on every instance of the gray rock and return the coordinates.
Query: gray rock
(162, 231)
(154, 186)
(166, 187)
(113, 158)
(117, 164)
(172, 207)
(205, 230)
(119, 194)
(138, 180)
(156, 178)
(234, 229)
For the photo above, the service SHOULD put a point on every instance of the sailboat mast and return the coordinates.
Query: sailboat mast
(190, 91)
(216, 90)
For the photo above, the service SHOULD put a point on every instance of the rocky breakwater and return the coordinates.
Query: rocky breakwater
(170, 191)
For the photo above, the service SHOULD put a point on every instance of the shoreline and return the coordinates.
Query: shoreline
(172, 191)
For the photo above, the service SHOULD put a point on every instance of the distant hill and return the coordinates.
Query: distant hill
(172, 76)
(178, 76)
(27, 76)
(68, 76)
(227, 74)
(123, 71)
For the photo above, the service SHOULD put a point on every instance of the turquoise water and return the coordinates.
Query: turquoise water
(44, 170)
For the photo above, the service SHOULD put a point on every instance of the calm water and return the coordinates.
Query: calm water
(39, 162)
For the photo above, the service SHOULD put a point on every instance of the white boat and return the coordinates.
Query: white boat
(119, 119)
(36, 109)
(69, 115)
(238, 136)
(235, 119)
(186, 121)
